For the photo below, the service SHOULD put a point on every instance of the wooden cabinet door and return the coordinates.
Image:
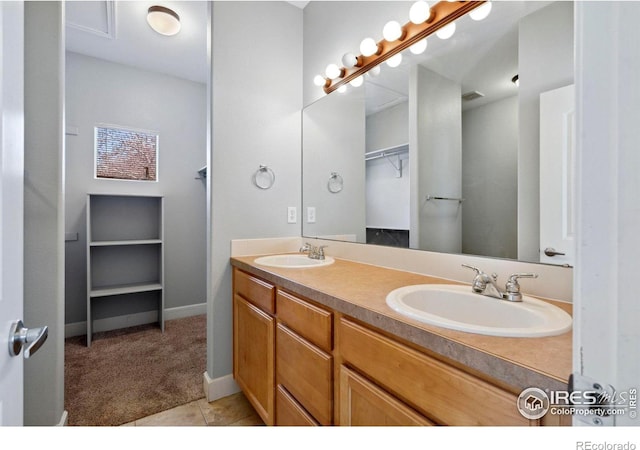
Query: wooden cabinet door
(253, 356)
(362, 403)
(289, 413)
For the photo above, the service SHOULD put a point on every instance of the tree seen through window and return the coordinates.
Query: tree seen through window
(126, 154)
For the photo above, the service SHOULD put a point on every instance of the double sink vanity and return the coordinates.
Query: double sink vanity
(335, 342)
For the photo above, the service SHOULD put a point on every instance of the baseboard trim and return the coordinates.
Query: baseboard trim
(64, 419)
(185, 311)
(215, 388)
(132, 320)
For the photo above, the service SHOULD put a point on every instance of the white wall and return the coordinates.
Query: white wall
(607, 311)
(489, 179)
(545, 62)
(435, 150)
(97, 92)
(257, 98)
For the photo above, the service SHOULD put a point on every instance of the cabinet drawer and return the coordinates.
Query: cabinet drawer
(442, 392)
(289, 413)
(258, 292)
(306, 372)
(362, 403)
(309, 321)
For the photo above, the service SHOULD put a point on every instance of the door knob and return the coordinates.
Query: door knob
(550, 251)
(19, 336)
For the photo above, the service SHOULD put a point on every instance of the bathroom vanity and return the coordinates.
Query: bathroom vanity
(319, 346)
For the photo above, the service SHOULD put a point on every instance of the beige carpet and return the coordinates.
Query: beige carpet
(134, 372)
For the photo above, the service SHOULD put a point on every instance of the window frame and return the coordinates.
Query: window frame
(125, 128)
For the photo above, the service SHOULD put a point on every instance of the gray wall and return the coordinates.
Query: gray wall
(545, 62)
(334, 141)
(388, 195)
(257, 98)
(489, 179)
(388, 128)
(44, 209)
(435, 151)
(99, 91)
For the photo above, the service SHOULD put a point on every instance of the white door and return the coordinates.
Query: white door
(11, 206)
(557, 172)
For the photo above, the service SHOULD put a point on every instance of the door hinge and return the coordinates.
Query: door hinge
(593, 401)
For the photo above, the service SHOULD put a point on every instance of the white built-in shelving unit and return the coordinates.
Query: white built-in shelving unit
(125, 250)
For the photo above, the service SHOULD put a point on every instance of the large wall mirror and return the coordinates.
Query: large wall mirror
(446, 152)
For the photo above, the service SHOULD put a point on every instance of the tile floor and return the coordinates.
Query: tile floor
(234, 410)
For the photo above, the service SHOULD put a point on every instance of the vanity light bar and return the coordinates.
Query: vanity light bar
(442, 14)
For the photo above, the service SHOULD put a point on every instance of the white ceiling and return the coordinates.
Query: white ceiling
(118, 31)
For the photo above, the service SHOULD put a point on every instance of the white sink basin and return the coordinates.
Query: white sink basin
(458, 308)
(293, 261)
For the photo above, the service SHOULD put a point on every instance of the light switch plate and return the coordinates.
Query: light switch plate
(292, 214)
(311, 214)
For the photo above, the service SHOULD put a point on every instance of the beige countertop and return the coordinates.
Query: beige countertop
(359, 290)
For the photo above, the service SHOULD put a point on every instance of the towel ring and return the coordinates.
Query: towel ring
(335, 183)
(264, 177)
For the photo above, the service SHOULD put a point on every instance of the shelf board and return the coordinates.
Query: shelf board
(125, 242)
(133, 288)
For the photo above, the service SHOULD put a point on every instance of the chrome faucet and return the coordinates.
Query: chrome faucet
(313, 251)
(306, 248)
(485, 284)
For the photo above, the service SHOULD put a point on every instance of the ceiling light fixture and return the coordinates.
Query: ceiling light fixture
(424, 21)
(163, 20)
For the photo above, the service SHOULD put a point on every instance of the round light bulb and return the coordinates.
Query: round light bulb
(357, 82)
(319, 80)
(447, 31)
(332, 71)
(368, 47)
(419, 47)
(392, 31)
(342, 89)
(349, 60)
(481, 12)
(374, 72)
(419, 12)
(395, 60)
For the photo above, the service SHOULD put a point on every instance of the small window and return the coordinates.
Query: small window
(126, 154)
